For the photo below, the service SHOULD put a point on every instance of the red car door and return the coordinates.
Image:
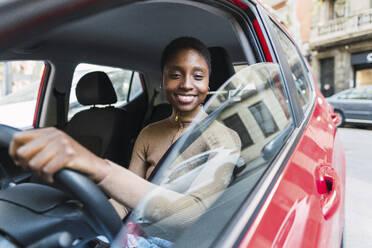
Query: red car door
(302, 200)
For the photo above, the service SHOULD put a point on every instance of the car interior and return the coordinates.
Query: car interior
(132, 37)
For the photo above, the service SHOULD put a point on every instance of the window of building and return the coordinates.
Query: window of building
(331, 13)
(235, 123)
(264, 118)
(327, 76)
(19, 86)
(127, 85)
(363, 77)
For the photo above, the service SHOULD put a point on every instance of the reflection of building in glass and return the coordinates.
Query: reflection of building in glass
(264, 118)
(235, 122)
(259, 114)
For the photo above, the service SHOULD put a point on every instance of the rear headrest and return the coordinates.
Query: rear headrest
(95, 88)
(222, 67)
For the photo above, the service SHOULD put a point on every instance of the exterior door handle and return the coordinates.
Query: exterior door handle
(335, 118)
(328, 186)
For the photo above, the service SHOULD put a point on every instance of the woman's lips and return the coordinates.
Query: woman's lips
(184, 99)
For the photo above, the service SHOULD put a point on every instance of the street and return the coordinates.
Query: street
(358, 207)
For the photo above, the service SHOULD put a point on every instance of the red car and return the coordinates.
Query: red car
(286, 186)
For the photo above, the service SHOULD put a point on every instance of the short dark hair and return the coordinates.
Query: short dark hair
(185, 43)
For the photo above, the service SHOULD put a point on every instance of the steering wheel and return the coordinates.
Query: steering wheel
(82, 188)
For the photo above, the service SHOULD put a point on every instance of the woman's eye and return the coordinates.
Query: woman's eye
(198, 77)
(175, 75)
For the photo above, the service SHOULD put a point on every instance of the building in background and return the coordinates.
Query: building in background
(335, 36)
(341, 44)
(295, 15)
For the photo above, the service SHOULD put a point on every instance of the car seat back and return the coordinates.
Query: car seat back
(222, 68)
(103, 130)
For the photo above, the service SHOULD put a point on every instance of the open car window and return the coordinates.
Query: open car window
(215, 165)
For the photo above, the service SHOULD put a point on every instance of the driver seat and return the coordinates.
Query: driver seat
(103, 130)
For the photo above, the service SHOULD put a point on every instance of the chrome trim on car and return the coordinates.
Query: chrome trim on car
(359, 121)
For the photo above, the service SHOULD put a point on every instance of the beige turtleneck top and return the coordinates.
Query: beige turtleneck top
(187, 186)
(155, 139)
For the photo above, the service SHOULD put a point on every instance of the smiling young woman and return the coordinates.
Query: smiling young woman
(186, 69)
(186, 66)
(185, 80)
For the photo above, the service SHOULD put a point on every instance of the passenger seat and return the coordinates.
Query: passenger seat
(105, 131)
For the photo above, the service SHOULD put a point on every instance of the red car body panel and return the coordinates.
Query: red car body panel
(301, 211)
(297, 213)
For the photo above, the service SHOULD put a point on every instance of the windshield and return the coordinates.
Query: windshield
(209, 172)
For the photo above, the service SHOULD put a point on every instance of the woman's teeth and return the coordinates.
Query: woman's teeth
(185, 99)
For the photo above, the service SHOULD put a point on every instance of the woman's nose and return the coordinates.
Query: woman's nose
(186, 83)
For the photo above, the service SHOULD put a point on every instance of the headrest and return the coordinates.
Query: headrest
(95, 88)
(222, 67)
(160, 111)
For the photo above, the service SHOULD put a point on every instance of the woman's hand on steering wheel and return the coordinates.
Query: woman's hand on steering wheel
(48, 150)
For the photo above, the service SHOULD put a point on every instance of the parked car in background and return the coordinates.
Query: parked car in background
(353, 105)
(284, 188)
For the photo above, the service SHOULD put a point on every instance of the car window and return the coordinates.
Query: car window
(343, 95)
(136, 87)
(298, 68)
(218, 162)
(359, 94)
(19, 85)
(127, 85)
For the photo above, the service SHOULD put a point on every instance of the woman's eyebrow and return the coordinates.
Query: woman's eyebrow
(175, 67)
(180, 68)
(197, 68)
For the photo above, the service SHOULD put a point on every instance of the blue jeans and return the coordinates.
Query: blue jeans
(150, 242)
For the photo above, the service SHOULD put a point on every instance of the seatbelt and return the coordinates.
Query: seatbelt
(191, 135)
(61, 109)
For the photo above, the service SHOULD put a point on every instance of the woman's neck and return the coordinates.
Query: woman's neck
(183, 117)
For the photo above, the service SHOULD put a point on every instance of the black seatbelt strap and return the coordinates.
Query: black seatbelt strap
(61, 109)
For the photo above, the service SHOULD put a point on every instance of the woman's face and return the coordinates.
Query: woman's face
(185, 80)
